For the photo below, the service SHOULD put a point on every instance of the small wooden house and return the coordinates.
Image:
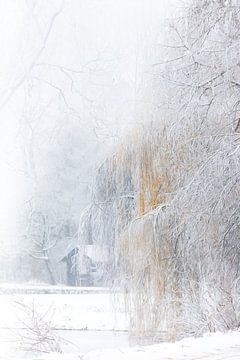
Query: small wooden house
(81, 265)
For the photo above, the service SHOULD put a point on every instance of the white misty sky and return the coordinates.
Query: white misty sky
(118, 30)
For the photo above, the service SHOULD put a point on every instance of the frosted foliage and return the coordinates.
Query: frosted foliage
(167, 201)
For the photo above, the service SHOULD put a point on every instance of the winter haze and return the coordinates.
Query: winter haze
(119, 186)
(92, 51)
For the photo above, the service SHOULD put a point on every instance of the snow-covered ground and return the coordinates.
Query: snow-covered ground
(209, 347)
(81, 322)
(93, 327)
(67, 311)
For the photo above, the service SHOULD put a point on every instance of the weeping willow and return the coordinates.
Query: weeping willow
(167, 206)
(166, 203)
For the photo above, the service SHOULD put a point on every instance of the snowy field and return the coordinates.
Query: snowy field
(80, 322)
(92, 326)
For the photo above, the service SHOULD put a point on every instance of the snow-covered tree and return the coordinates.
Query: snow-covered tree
(175, 230)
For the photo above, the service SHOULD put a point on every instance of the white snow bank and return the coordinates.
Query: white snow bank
(209, 347)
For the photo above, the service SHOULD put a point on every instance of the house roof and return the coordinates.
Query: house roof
(95, 252)
(63, 248)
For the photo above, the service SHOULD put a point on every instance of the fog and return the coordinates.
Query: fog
(119, 186)
(65, 64)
